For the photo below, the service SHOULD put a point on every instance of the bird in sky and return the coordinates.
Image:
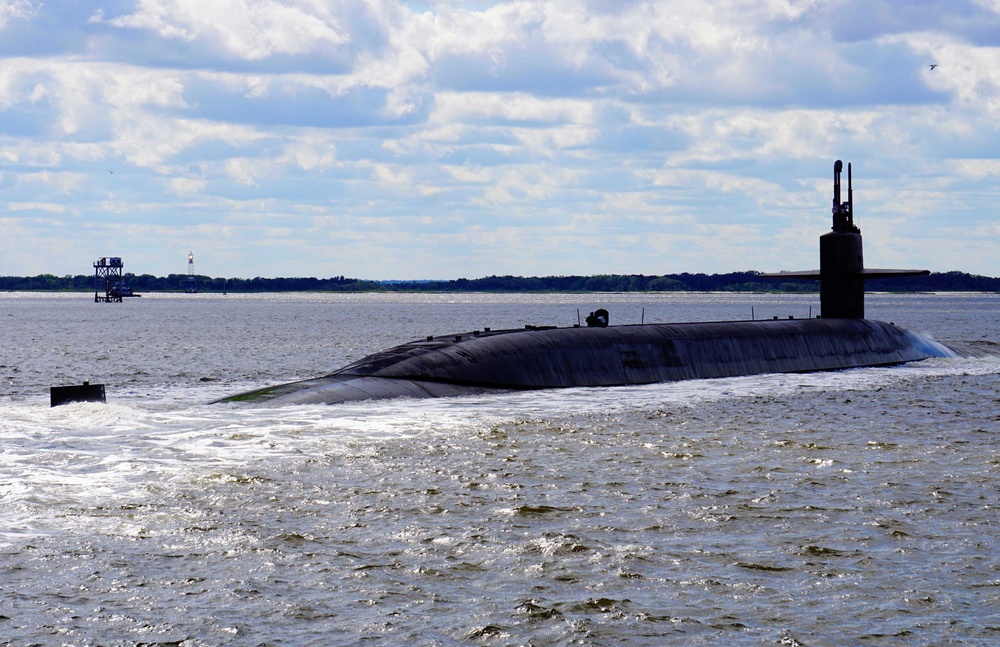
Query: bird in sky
(933, 65)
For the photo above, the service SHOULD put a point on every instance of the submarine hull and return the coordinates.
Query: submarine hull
(545, 358)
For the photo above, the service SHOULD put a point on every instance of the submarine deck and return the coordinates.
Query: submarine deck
(538, 357)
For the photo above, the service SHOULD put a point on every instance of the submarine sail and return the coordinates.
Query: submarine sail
(603, 355)
(842, 271)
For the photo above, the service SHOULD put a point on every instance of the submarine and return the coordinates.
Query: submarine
(602, 355)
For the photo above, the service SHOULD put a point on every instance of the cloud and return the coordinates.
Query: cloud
(11, 10)
(37, 206)
(186, 186)
(247, 29)
(150, 141)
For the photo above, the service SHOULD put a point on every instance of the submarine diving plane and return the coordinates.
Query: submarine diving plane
(548, 357)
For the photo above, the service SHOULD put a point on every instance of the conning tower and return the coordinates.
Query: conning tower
(842, 270)
(841, 260)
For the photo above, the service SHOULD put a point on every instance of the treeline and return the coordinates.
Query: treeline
(732, 282)
(179, 283)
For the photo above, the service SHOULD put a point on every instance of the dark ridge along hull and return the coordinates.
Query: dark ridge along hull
(546, 358)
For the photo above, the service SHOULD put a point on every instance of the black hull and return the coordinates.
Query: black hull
(546, 358)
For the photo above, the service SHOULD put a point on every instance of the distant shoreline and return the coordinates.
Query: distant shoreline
(733, 282)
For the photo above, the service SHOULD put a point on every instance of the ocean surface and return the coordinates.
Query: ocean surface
(858, 507)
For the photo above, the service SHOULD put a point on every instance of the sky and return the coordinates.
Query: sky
(393, 139)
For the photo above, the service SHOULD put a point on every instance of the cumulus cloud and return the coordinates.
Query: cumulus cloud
(250, 29)
(184, 186)
(13, 9)
(150, 141)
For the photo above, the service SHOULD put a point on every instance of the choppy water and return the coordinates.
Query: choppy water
(857, 507)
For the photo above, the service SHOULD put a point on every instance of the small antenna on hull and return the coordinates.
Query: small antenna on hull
(843, 212)
(838, 166)
(850, 198)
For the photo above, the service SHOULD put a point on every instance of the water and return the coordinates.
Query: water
(856, 507)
